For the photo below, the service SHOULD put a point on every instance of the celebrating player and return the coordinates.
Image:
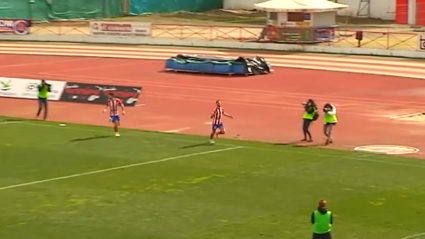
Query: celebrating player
(216, 116)
(113, 105)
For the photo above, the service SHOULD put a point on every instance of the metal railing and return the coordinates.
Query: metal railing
(381, 39)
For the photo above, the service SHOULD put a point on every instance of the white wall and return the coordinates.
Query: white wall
(323, 19)
(241, 4)
(383, 9)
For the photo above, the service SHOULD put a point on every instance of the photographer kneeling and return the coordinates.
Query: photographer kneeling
(330, 121)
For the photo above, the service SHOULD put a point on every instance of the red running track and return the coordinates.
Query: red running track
(266, 108)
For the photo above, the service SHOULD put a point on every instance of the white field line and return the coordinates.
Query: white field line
(324, 155)
(117, 168)
(415, 236)
(8, 122)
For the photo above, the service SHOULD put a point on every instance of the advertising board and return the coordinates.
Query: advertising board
(27, 88)
(13, 26)
(133, 29)
(98, 94)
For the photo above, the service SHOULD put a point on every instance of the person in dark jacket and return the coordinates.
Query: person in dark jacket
(322, 221)
(310, 114)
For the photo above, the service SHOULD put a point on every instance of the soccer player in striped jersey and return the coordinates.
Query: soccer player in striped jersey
(217, 123)
(113, 105)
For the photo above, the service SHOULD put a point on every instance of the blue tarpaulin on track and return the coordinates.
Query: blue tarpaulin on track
(215, 65)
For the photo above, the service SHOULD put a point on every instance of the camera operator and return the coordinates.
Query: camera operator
(330, 121)
(43, 94)
(310, 115)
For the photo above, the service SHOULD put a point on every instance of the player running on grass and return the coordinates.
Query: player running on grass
(217, 124)
(113, 105)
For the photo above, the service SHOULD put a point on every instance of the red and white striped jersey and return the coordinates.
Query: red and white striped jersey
(113, 105)
(217, 115)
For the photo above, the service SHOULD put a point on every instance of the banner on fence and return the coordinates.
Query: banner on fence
(139, 29)
(421, 42)
(27, 88)
(18, 27)
(98, 94)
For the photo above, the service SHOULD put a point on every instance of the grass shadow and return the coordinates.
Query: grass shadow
(90, 138)
(196, 145)
(10, 120)
(300, 144)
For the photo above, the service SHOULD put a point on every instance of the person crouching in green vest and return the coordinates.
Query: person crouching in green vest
(310, 115)
(329, 121)
(322, 221)
(43, 95)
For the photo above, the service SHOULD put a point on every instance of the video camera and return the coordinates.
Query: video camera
(49, 86)
(327, 108)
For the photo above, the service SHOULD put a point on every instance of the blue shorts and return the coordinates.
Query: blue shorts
(217, 126)
(115, 118)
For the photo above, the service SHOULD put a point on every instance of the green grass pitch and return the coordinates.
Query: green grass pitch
(81, 182)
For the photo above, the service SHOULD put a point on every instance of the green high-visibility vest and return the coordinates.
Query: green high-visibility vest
(309, 116)
(330, 118)
(44, 92)
(322, 222)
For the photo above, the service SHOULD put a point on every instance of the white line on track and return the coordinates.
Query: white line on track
(118, 168)
(140, 105)
(41, 63)
(87, 68)
(341, 99)
(380, 69)
(406, 115)
(172, 51)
